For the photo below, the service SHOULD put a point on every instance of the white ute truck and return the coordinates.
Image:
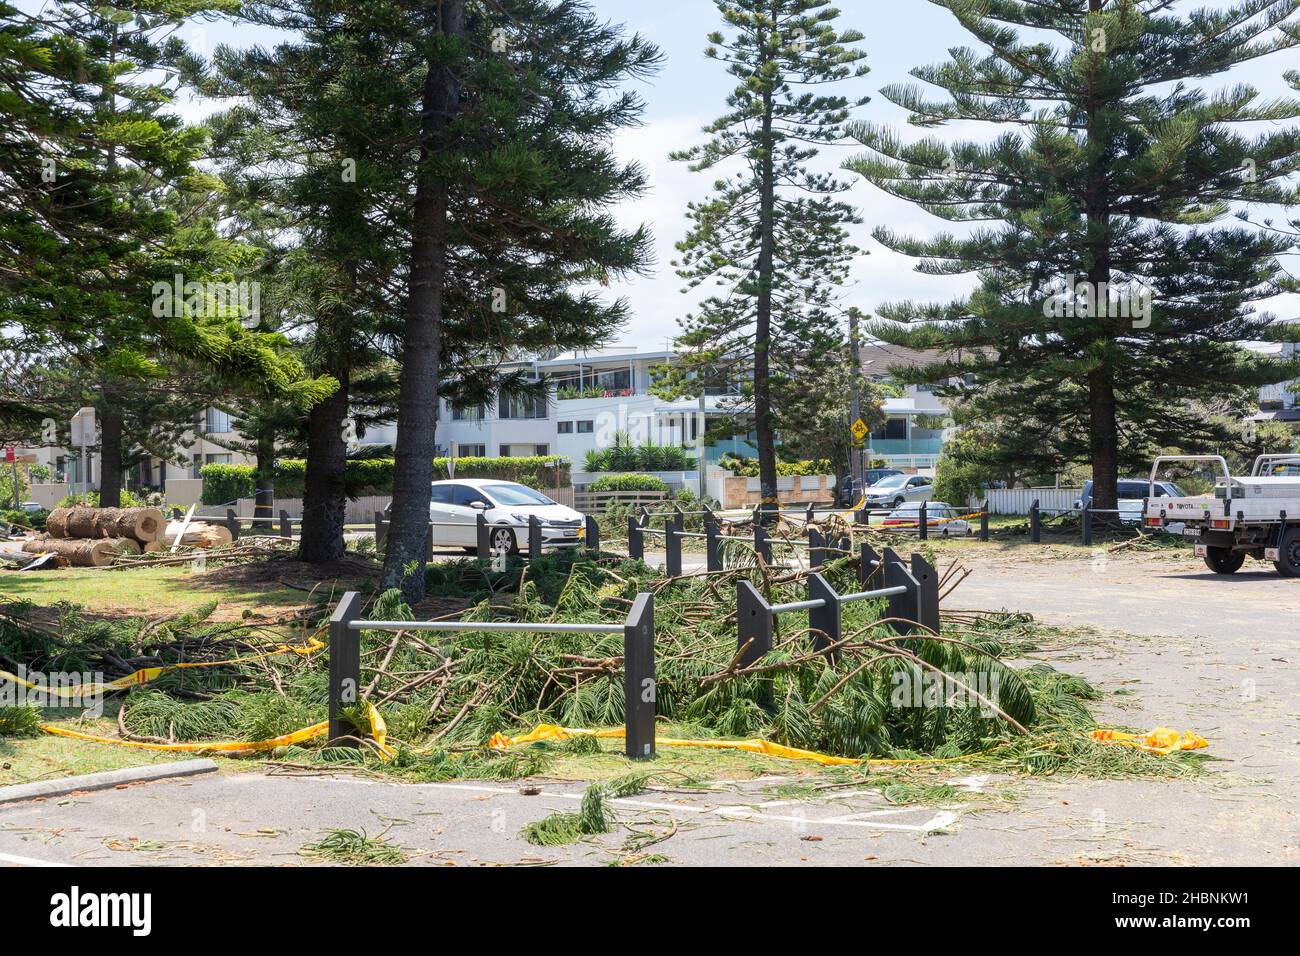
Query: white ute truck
(1257, 516)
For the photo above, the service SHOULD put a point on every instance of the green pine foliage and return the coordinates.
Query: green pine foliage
(771, 241)
(1112, 167)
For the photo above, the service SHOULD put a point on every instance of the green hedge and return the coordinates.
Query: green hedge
(628, 483)
(374, 476)
(748, 467)
(225, 483)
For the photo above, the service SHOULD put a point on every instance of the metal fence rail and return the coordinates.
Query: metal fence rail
(638, 629)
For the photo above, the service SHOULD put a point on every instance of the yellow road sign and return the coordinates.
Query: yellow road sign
(859, 429)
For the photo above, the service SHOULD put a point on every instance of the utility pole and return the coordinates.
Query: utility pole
(855, 361)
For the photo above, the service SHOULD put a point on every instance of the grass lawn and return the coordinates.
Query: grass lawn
(148, 591)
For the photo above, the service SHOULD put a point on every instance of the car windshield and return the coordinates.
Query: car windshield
(893, 481)
(516, 495)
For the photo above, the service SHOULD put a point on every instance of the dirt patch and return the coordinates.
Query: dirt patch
(345, 575)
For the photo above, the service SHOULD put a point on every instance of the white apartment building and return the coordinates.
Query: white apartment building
(594, 395)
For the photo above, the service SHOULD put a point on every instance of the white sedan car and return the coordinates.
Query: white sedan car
(940, 518)
(454, 507)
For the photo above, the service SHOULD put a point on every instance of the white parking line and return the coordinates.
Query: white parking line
(866, 819)
(27, 861)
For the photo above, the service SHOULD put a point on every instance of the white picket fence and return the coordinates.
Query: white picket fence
(1017, 501)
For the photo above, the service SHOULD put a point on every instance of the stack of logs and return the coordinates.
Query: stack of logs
(94, 537)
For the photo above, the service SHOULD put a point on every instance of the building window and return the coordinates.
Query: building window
(565, 428)
(895, 428)
(470, 413)
(217, 421)
(523, 406)
(586, 428)
(471, 451)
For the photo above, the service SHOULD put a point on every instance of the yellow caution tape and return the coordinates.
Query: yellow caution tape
(765, 747)
(378, 734)
(148, 674)
(1162, 740)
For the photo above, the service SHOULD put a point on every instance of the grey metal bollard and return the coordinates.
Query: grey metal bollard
(635, 539)
(286, 525)
(923, 526)
(868, 566)
(672, 551)
(678, 519)
(762, 545)
(713, 544)
(592, 533)
(904, 606)
(345, 666)
(534, 538)
(927, 581)
(753, 623)
(232, 524)
(984, 521)
(825, 619)
(816, 548)
(810, 515)
(1087, 525)
(482, 538)
(639, 691)
(1035, 523)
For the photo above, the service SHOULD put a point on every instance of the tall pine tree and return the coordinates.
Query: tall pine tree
(1111, 295)
(772, 235)
(513, 111)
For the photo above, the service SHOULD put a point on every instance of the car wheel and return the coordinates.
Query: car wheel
(503, 539)
(1288, 563)
(898, 503)
(1224, 560)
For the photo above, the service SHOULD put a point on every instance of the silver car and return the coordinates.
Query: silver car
(893, 491)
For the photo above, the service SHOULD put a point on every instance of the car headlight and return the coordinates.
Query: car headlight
(522, 519)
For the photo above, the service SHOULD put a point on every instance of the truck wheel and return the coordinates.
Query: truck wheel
(1288, 564)
(1224, 560)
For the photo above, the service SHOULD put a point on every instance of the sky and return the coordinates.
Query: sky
(689, 91)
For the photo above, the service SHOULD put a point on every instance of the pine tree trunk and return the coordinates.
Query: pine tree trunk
(110, 457)
(264, 493)
(421, 340)
(324, 498)
(765, 434)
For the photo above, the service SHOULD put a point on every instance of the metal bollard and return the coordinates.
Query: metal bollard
(534, 538)
(906, 606)
(286, 524)
(923, 527)
(826, 618)
(592, 533)
(679, 519)
(868, 566)
(482, 538)
(712, 543)
(344, 667)
(984, 521)
(761, 543)
(1087, 525)
(753, 623)
(816, 548)
(672, 551)
(1035, 523)
(635, 539)
(232, 524)
(927, 581)
(639, 691)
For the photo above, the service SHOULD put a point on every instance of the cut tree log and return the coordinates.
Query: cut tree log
(199, 534)
(84, 552)
(139, 524)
